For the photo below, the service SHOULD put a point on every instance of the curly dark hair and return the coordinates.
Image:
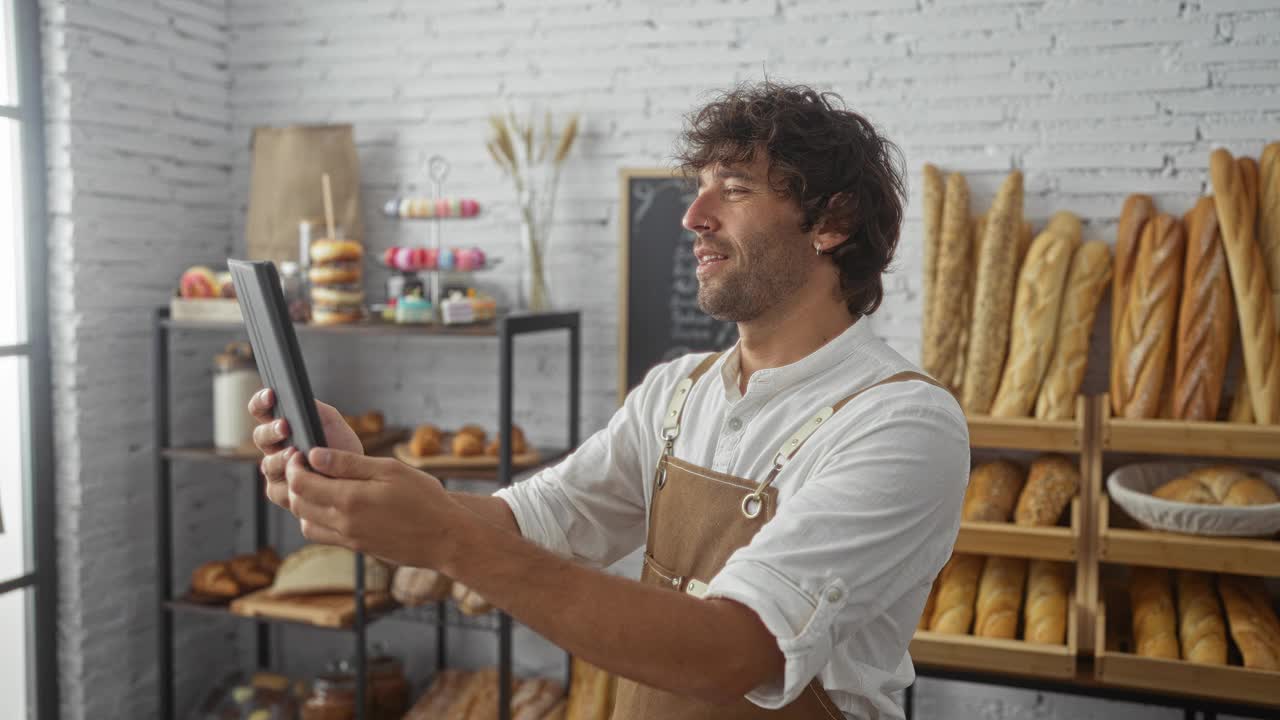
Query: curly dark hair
(832, 161)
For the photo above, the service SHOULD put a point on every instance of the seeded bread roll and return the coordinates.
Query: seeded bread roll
(1086, 282)
(957, 593)
(993, 298)
(933, 204)
(1155, 625)
(1200, 627)
(1051, 484)
(1253, 621)
(940, 354)
(1036, 309)
(1000, 597)
(1138, 209)
(1237, 204)
(1150, 316)
(993, 491)
(1206, 319)
(1048, 590)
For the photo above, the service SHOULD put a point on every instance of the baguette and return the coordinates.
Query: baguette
(1089, 274)
(992, 492)
(1051, 484)
(933, 205)
(1252, 619)
(1146, 332)
(966, 319)
(1269, 218)
(942, 334)
(1036, 309)
(957, 592)
(1155, 630)
(1206, 319)
(1200, 628)
(993, 298)
(1241, 405)
(1025, 235)
(930, 603)
(1138, 209)
(1237, 211)
(1000, 597)
(1045, 617)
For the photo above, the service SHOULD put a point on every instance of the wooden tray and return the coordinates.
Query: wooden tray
(1226, 682)
(448, 461)
(1137, 546)
(1012, 657)
(1008, 539)
(333, 610)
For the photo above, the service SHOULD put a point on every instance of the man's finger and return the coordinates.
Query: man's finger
(323, 535)
(270, 436)
(278, 493)
(317, 514)
(260, 405)
(339, 463)
(317, 488)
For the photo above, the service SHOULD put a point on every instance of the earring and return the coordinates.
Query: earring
(817, 249)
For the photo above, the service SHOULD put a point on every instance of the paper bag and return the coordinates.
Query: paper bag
(286, 187)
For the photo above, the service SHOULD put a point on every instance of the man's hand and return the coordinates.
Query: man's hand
(378, 506)
(271, 436)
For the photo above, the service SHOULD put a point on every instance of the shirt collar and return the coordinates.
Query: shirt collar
(781, 378)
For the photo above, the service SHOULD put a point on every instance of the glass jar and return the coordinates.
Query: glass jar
(293, 287)
(388, 688)
(235, 380)
(333, 697)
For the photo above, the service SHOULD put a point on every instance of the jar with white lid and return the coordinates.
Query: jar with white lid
(235, 380)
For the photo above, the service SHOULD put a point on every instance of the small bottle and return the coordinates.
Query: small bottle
(235, 380)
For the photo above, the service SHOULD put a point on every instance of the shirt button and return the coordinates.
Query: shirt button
(735, 424)
(834, 595)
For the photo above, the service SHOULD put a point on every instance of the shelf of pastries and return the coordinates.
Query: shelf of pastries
(1029, 513)
(1000, 614)
(1028, 433)
(1192, 516)
(1191, 633)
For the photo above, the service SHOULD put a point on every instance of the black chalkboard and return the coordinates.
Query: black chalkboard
(658, 315)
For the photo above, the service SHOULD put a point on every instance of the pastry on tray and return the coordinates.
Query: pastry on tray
(518, 443)
(426, 441)
(467, 445)
(226, 579)
(370, 423)
(214, 580)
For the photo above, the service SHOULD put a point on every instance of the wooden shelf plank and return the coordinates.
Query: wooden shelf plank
(1026, 434)
(1025, 541)
(1237, 556)
(368, 327)
(427, 615)
(1013, 657)
(1175, 437)
(373, 445)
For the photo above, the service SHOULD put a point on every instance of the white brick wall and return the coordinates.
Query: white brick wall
(151, 103)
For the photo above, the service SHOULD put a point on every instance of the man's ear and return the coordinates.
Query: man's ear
(836, 222)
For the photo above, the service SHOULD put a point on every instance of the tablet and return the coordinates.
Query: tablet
(275, 348)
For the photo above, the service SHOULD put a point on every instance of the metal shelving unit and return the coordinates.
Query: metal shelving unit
(443, 615)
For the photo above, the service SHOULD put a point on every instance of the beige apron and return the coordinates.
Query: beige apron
(697, 519)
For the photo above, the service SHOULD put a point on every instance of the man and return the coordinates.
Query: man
(799, 492)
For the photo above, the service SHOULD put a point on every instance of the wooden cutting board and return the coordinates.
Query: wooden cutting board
(334, 610)
(448, 461)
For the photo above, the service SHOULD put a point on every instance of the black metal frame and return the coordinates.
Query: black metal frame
(1190, 706)
(41, 548)
(507, 329)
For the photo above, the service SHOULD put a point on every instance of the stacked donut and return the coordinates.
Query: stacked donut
(337, 294)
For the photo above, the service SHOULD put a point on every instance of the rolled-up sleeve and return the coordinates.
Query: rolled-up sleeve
(876, 519)
(591, 506)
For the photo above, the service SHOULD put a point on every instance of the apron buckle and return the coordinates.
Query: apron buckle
(752, 504)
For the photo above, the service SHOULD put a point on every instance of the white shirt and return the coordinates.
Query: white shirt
(868, 509)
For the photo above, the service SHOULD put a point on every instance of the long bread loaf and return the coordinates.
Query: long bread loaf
(1048, 588)
(993, 491)
(965, 319)
(993, 298)
(1086, 282)
(1269, 217)
(1000, 597)
(941, 350)
(933, 204)
(1051, 484)
(1155, 624)
(1150, 317)
(1253, 621)
(1206, 319)
(1236, 202)
(1241, 406)
(1137, 211)
(1036, 309)
(1200, 628)
(957, 592)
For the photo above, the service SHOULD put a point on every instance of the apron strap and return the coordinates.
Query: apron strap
(751, 504)
(675, 410)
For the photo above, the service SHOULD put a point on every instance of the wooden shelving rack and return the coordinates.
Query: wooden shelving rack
(1093, 661)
